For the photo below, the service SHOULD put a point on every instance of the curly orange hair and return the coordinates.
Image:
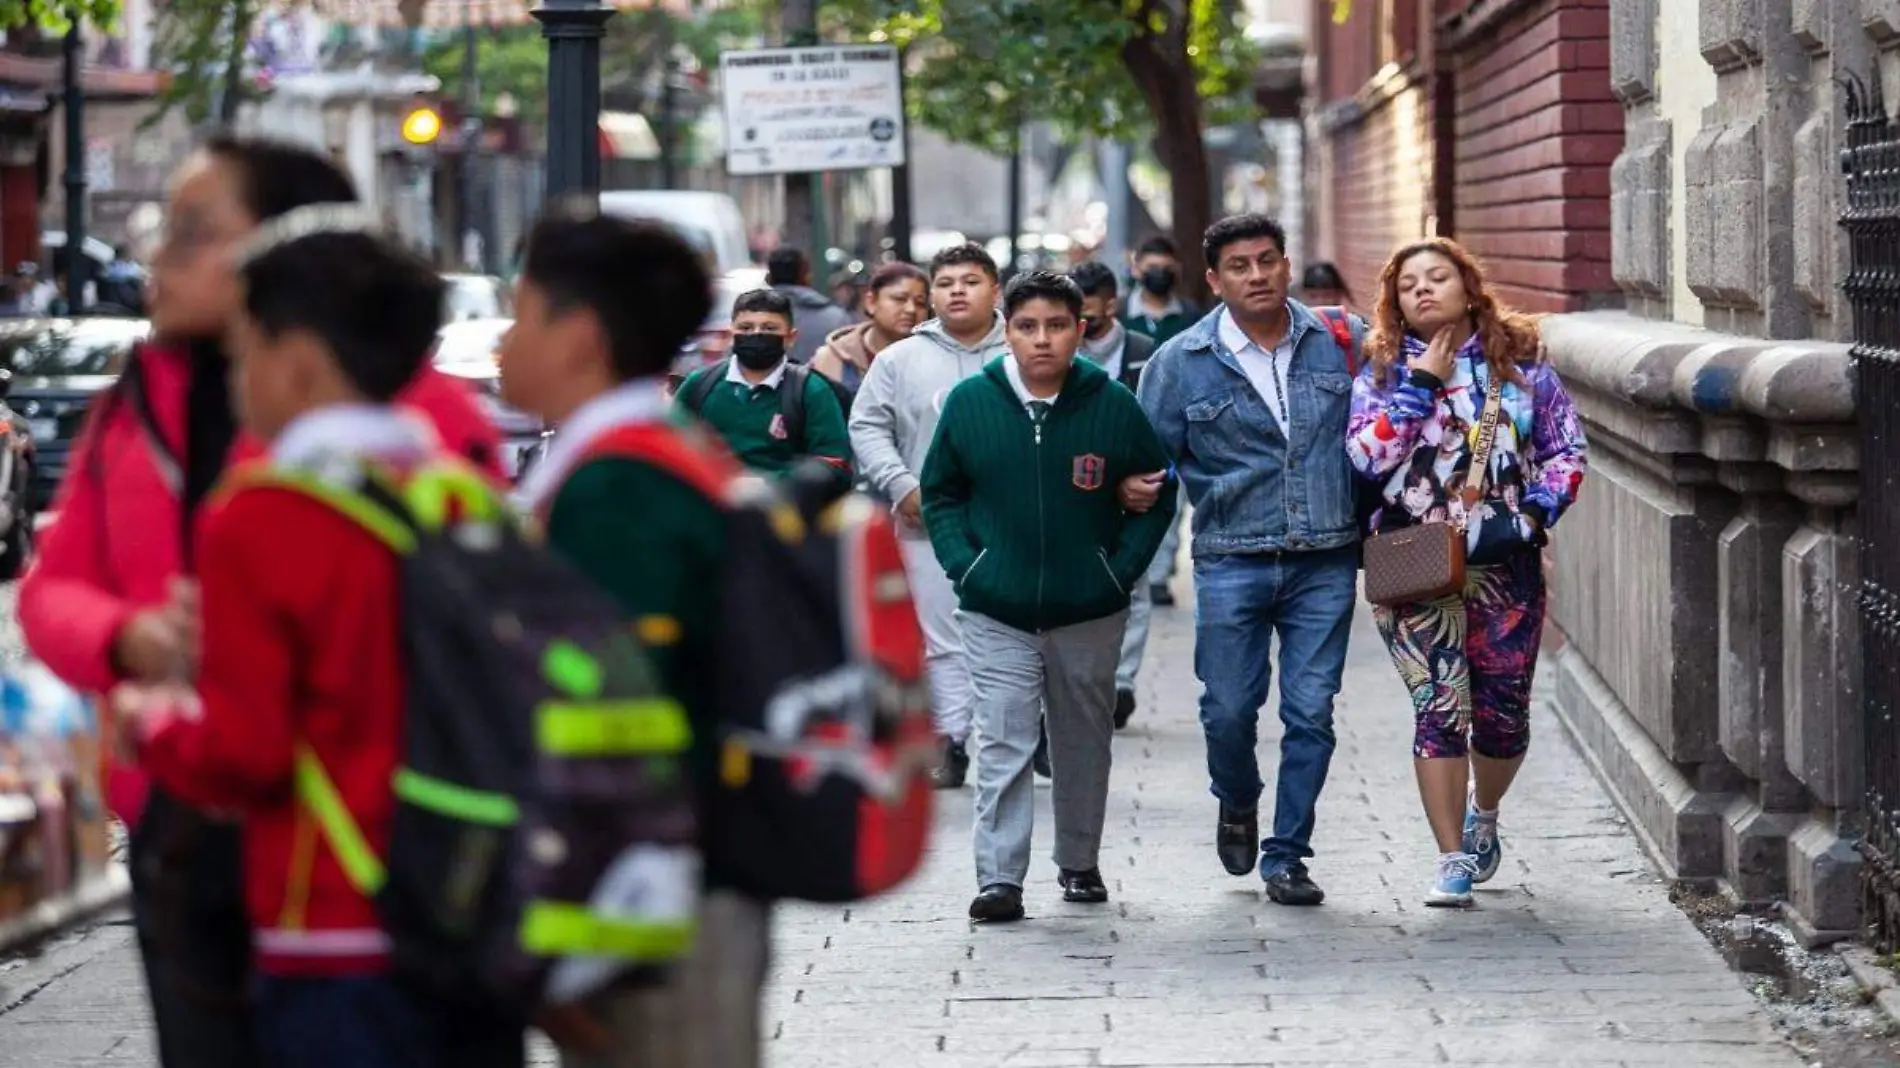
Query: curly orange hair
(1511, 339)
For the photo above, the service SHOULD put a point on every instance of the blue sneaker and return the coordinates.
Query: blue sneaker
(1452, 890)
(1481, 841)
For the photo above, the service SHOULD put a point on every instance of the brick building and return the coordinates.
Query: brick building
(1492, 121)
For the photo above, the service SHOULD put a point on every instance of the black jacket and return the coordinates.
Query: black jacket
(1136, 352)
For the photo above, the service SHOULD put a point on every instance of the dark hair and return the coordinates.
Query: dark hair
(1094, 278)
(278, 176)
(889, 274)
(1157, 245)
(959, 255)
(786, 266)
(374, 304)
(1248, 227)
(645, 285)
(1041, 285)
(769, 301)
(1324, 275)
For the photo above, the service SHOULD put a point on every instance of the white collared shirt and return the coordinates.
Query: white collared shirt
(636, 402)
(736, 374)
(1268, 371)
(347, 434)
(1014, 373)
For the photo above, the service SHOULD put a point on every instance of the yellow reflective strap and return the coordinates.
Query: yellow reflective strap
(319, 795)
(611, 728)
(392, 530)
(431, 491)
(560, 929)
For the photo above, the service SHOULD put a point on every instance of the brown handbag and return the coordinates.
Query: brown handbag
(1427, 562)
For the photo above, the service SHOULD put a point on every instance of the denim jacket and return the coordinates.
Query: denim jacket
(1253, 491)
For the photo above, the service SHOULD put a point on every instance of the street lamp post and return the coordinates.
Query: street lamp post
(573, 29)
(74, 105)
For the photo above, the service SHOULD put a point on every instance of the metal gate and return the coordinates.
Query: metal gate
(1871, 162)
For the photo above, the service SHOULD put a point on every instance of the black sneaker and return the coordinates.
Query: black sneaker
(1160, 595)
(1083, 887)
(1124, 707)
(1041, 760)
(1292, 886)
(1001, 903)
(950, 774)
(1237, 840)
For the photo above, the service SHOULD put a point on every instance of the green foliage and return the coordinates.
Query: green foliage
(976, 62)
(55, 16)
(510, 59)
(201, 43)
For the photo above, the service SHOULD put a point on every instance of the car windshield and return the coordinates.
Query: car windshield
(70, 349)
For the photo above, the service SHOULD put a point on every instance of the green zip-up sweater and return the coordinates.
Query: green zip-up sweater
(1025, 520)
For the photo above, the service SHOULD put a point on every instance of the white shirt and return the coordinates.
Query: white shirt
(1108, 350)
(736, 373)
(1014, 373)
(345, 434)
(1268, 371)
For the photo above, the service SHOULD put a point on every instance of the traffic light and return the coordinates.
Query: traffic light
(422, 125)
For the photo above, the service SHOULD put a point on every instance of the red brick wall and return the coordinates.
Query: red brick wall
(1382, 187)
(1537, 129)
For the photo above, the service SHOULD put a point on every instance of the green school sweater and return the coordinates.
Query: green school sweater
(1026, 521)
(656, 545)
(747, 418)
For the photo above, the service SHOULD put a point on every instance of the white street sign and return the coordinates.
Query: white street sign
(793, 110)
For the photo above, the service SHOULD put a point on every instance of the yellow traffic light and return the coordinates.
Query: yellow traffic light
(422, 126)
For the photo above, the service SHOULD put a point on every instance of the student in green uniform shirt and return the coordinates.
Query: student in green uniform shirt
(1155, 308)
(601, 308)
(742, 397)
(1019, 495)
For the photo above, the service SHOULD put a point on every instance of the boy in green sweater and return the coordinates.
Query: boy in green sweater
(601, 307)
(1019, 496)
(745, 399)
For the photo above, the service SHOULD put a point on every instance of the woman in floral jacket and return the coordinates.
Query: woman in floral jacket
(1439, 339)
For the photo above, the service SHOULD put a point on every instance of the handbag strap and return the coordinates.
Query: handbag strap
(1487, 436)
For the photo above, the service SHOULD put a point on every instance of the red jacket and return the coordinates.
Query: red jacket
(307, 653)
(116, 543)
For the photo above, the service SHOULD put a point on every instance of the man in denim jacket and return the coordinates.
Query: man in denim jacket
(1252, 402)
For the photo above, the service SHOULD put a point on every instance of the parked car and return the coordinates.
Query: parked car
(58, 366)
(474, 296)
(467, 350)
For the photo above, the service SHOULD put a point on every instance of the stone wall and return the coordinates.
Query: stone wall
(1712, 671)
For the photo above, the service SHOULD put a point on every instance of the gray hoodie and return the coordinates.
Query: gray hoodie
(895, 415)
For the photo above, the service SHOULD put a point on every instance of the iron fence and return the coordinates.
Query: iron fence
(1871, 162)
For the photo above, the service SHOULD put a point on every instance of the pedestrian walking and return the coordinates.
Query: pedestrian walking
(1248, 402)
(1460, 418)
(602, 306)
(303, 650)
(1123, 354)
(1020, 495)
(771, 412)
(1322, 286)
(101, 605)
(896, 299)
(788, 270)
(1155, 307)
(892, 424)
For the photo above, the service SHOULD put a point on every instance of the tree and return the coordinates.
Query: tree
(202, 43)
(1109, 68)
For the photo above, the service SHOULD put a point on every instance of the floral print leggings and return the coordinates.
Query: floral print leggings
(1469, 661)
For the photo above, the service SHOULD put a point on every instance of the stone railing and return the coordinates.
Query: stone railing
(1705, 585)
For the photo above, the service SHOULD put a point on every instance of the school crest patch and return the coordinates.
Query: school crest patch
(777, 429)
(1087, 471)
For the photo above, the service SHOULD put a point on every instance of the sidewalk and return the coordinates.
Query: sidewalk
(1574, 955)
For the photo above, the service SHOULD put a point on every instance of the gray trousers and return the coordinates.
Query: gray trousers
(1141, 607)
(707, 1014)
(1017, 676)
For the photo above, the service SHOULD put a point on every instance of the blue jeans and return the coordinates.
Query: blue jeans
(1242, 601)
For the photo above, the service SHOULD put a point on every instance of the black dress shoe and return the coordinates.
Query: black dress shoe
(1083, 887)
(1237, 840)
(950, 774)
(1041, 760)
(1292, 886)
(1001, 903)
(1160, 595)
(1124, 707)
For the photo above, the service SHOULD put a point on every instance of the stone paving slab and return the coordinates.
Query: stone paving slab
(1574, 955)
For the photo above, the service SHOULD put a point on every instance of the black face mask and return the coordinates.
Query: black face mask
(758, 352)
(1158, 280)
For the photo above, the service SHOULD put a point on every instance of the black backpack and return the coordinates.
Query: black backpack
(545, 834)
(791, 396)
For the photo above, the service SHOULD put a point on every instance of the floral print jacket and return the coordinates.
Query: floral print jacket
(1416, 440)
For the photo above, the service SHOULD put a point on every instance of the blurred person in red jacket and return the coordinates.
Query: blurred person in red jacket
(109, 599)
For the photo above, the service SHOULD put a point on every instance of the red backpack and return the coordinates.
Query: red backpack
(822, 790)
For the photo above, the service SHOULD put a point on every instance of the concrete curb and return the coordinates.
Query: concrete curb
(1881, 985)
(48, 917)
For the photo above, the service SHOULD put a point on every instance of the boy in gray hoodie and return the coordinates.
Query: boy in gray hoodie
(893, 422)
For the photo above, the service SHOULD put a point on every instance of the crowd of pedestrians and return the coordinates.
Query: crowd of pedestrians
(1033, 441)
